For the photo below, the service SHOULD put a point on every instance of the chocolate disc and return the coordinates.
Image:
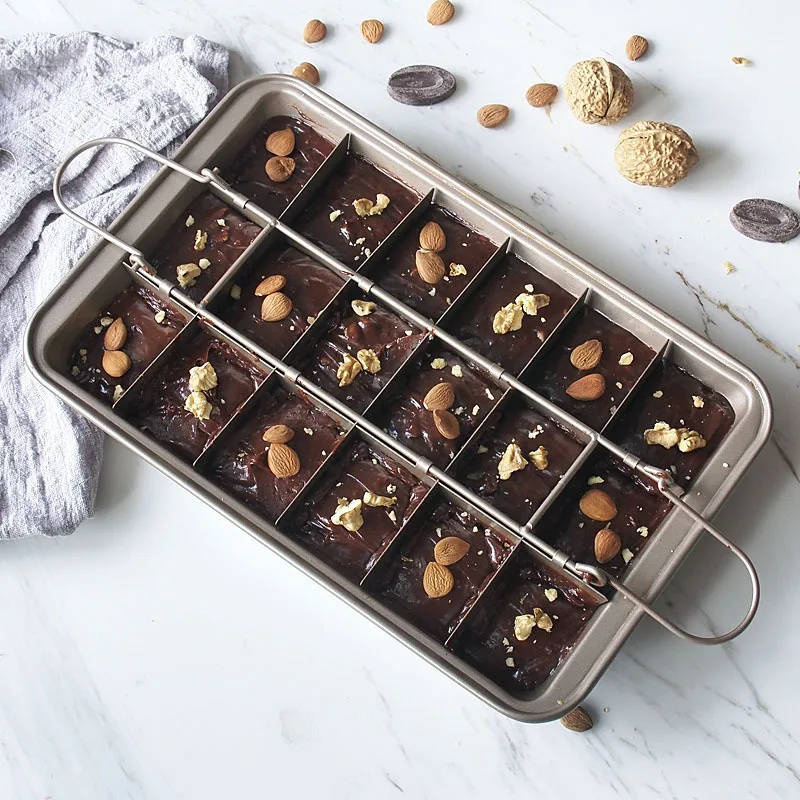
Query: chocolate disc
(421, 85)
(765, 220)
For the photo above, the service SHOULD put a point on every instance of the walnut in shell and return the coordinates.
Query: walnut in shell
(654, 154)
(598, 91)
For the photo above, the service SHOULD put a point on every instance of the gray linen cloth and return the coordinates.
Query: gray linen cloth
(55, 93)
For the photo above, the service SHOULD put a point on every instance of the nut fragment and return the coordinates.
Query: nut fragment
(532, 303)
(307, 72)
(598, 505)
(541, 94)
(198, 406)
(666, 436)
(450, 550)
(511, 462)
(539, 458)
(432, 237)
(440, 396)
(369, 360)
(690, 440)
(524, 624)
(625, 360)
(636, 47)
(372, 30)
(363, 308)
(202, 378)
(270, 285)
(280, 168)
(654, 154)
(275, 307)
(492, 115)
(281, 143)
(437, 580)
(607, 545)
(348, 514)
(364, 207)
(314, 31)
(160, 316)
(456, 269)
(116, 363)
(187, 274)
(378, 500)
(438, 363)
(587, 355)
(282, 461)
(577, 720)
(440, 12)
(429, 266)
(200, 240)
(588, 388)
(508, 318)
(446, 423)
(598, 91)
(116, 335)
(348, 370)
(278, 434)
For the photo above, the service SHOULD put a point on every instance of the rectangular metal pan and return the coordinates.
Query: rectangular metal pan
(100, 276)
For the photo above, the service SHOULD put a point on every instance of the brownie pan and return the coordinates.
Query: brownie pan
(476, 540)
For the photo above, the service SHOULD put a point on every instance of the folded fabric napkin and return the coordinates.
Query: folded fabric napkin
(55, 93)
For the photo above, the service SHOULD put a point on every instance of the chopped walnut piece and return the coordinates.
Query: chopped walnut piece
(626, 359)
(662, 434)
(543, 620)
(551, 594)
(643, 530)
(658, 394)
(204, 263)
(378, 500)
(538, 457)
(511, 462)
(457, 269)
(236, 292)
(160, 316)
(348, 514)
(187, 274)
(698, 401)
(200, 240)
(369, 360)
(197, 404)
(456, 371)
(690, 440)
(508, 318)
(362, 206)
(381, 203)
(189, 221)
(348, 370)
(438, 363)
(523, 626)
(594, 480)
(334, 215)
(531, 303)
(118, 390)
(626, 554)
(363, 308)
(203, 378)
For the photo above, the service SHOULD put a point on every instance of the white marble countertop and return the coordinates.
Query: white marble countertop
(161, 653)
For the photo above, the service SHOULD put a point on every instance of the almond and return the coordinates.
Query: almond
(279, 168)
(278, 434)
(307, 72)
(116, 335)
(607, 545)
(437, 580)
(429, 266)
(586, 355)
(281, 143)
(372, 30)
(588, 388)
(450, 550)
(541, 94)
(446, 423)
(440, 12)
(636, 47)
(432, 237)
(275, 307)
(598, 505)
(577, 720)
(492, 115)
(440, 397)
(116, 363)
(314, 31)
(270, 285)
(282, 461)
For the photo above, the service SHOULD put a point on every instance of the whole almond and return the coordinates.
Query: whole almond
(282, 461)
(281, 143)
(450, 550)
(588, 388)
(116, 363)
(307, 72)
(279, 168)
(278, 434)
(492, 115)
(437, 580)
(446, 423)
(440, 397)
(636, 47)
(116, 335)
(372, 30)
(440, 12)
(607, 545)
(432, 237)
(275, 307)
(429, 266)
(270, 285)
(598, 505)
(314, 31)
(541, 94)
(586, 355)
(577, 720)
